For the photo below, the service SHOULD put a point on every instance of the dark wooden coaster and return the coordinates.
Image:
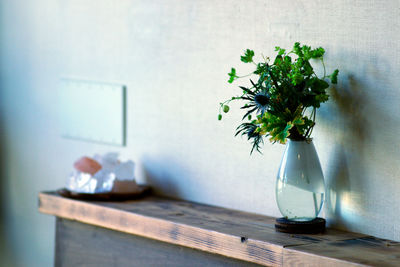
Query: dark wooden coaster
(142, 191)
(315, 226)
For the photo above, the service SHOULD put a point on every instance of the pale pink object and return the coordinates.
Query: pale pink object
(87, 165)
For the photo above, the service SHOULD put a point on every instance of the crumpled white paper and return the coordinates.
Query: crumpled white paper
(103, 180)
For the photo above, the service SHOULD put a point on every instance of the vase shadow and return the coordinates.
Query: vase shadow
(337, 188)
(347, 173)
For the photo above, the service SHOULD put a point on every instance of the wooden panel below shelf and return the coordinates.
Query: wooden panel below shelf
(79, 244)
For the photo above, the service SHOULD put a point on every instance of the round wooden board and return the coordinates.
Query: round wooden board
(315, 226)
(142, 191)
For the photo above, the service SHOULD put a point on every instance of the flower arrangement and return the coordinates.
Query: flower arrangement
(284, 95)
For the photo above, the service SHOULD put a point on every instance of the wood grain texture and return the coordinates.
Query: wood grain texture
(117, 216)
(240, 235)
(368, 251)
(79, 244)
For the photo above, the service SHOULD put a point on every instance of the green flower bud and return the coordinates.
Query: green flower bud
(226, 108)
(219, 117)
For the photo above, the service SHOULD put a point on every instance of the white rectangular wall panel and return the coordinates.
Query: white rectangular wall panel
(92, 111)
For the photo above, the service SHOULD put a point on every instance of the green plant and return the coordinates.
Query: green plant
(284, 96)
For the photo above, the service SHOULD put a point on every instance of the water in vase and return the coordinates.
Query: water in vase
(298, 204)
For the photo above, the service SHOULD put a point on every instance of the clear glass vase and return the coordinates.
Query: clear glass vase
(300, 187)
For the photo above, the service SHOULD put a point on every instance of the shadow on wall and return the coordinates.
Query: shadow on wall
(350, 158)
(2, 186)
(5, 253)
(350, 101)
(159, 173)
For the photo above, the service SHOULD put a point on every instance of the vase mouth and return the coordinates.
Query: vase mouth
(307, 140)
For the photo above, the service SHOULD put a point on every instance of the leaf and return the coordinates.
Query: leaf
(287, 59)
(232, 75)
(252, 83)
(281, 137)
(308, 69)
(256, 144)
(298, 121)
(296, 78)
(281, 51)
(322, 98)
(333, 76)
(303, 127)
(278, 60)
(297, 49)
(318, 85)
(306, 51)
(219, 117)
(318, 52)
(261, 68)
(248, 112)
(247, 106)
(248, 56)
(247, 90)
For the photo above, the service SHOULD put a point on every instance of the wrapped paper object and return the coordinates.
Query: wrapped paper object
(102, 174)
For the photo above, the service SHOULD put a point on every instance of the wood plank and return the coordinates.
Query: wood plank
(367, 251)
(79, 244)
(240, 235)
(164, 230)
(216, 218)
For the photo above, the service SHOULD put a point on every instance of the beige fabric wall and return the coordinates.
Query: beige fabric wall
(173, 55)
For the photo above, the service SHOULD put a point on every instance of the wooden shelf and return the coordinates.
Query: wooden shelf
(240, 235)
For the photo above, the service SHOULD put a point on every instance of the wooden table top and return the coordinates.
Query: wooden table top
(236, 234)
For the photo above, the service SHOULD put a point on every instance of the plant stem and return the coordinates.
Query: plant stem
(323, 64)
(244, 75)
(314, 197)
(315, 204)
(309, 131)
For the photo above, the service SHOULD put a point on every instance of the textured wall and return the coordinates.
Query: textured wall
(173, 55)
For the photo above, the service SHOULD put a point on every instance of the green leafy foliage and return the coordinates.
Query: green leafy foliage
(232, 75)
(248, 56)
(284, 95)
